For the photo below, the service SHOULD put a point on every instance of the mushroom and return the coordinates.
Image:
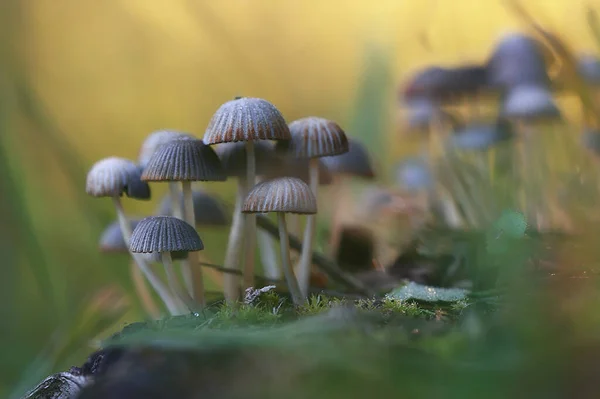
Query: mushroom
(111, 177)
(313, 138)
(249, 120)
(283, 195)
(355, 162)
(186, 161)
(165, 235)
(529, 103)
(153, 142)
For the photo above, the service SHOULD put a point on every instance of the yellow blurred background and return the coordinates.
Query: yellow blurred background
(106, 73)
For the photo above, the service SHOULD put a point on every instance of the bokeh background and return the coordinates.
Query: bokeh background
(82, 80)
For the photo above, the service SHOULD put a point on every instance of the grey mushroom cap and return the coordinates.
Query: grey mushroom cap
(314, 137)
(591, 140)
(157, 139)
(164, 234)
(422, 112)
(445, 83)
(111, 177)
(233, 158)
(137, 188)
(355, 162)
(414, 174)
(588, 67)
(208, 209)
(184, 160)
(246, 119)
(282, 194)
(480, 136)
(517, 60)
(529, 102)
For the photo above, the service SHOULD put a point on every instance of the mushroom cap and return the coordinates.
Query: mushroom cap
(355, 162)
(422, 112)
(233, 158)
(246, 119)
(517, 60)
(588, 67)
(111, 177)
(529, 102)
(443, 83)
(479, 136)
(208, 209)
(298, 167)
(164, 234)
(282, 194)
(155, 140)
(137, 188)
(314, 137)
(184, 160)
(591, 140)
(112, 239)
(414, 174)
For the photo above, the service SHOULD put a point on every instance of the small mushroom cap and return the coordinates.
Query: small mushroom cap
(298, 167)
(246, 119)
(355, 162)
(422, 112)
(184, 160)
(112, 239)
(282, 194)
(137, 188)
(233, 158)
(517, 60)
(589, 69)
(445, 83)
(481, 136)
(591, 140)
(414, 174)
(208, 209)
(314, 137)
(111, 177)
(157, 139)
(529, 102)
(164, 234)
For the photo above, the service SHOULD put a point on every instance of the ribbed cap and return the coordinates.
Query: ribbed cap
(480, 137)
(157, 139)
(246, 119)
(112, 240)
(208, 209)
(233, 158)
(283, 194)
(413, 174)
(184, 160)
(164, 234)
(298, 167)
(588, 67)
(111, 177)
(529, 102)
(314, 137)
(355, 162)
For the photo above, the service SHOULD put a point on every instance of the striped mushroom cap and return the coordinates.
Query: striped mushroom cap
(282, 194)
(112, 239)
(529, 102)
(208, 209)
(113, 176)
(164, 234)
(355, 162)
(157, 139)
(314, 137)
(588, 67)
(233, 158)
(246, 119)
(184, 160)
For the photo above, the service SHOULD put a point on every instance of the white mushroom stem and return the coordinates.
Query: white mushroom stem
(175, 200)
(174, 284)
(159, 287)
(286, 261)
(310, 230)
(266, 244)
(250, 236)
(192, 262)
(142, 291)
(231, 286)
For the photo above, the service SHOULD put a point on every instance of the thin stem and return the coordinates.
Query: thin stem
(169, 301)
(310, 230)
(268, 258)
(250, 239)
(231, 283)
(286, 262)
(192, 263)
(174, 282)
(175, 200)
(142, 291)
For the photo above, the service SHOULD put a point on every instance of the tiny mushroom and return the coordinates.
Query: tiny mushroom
(166, 235)
(249, 120)
(283, 195)
(529, 103)
(186, 161)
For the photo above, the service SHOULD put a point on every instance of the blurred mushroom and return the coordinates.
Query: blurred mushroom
(111, 177)
(209, 210)
(248, 120)
(589, 69)
(283, 195)
(164, 235)
(414, 174)
(529, 103)
(186, 161)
